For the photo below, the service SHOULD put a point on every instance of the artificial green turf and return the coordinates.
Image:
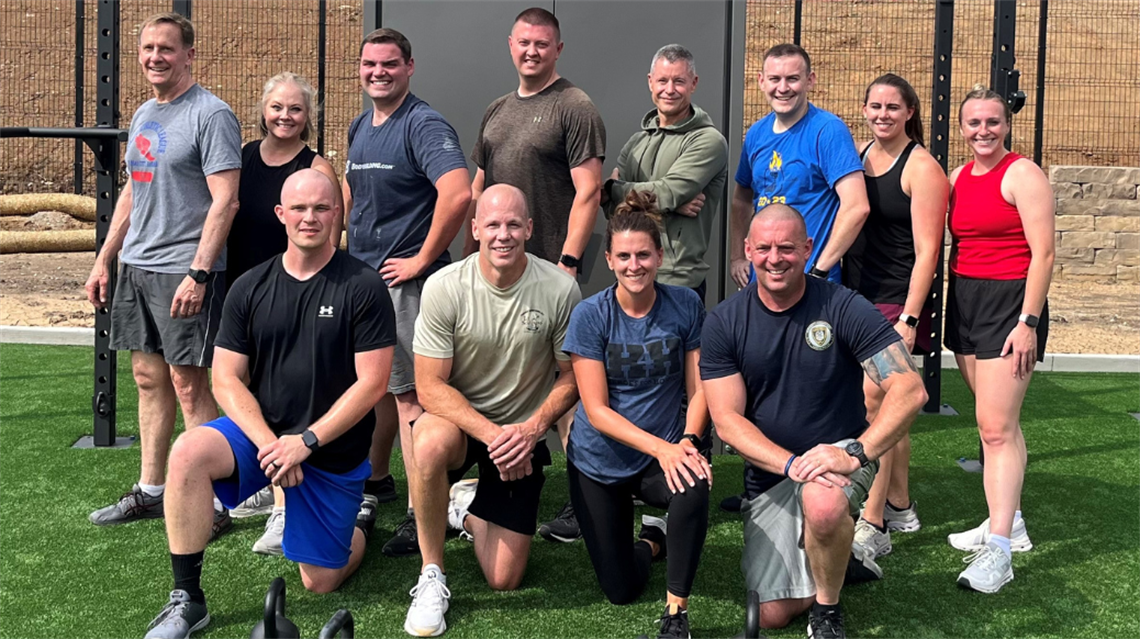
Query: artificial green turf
(62, 577)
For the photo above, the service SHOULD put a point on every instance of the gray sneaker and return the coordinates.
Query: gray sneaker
(132, 506)
(179, 618)
(990, 569)
(270, 541)
(905, 520)
(874, 543)
(260, 503)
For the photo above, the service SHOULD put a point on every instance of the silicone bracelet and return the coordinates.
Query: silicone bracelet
(789, 464)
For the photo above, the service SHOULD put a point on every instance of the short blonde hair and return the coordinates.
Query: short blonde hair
(308, 96)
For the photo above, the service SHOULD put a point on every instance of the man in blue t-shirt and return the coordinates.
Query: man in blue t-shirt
(406, 189)
(782, 366)
(802, 156)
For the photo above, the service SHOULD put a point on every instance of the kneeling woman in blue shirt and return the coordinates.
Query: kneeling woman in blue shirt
(635, 349)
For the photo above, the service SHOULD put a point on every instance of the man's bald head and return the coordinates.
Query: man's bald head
(502, 196)
(310, 182)
(780, 213)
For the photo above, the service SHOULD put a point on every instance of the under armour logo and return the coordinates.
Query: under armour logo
(325, 311)
(537, 119)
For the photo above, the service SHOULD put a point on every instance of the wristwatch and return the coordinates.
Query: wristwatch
(855, 449)
(199, 276)
(310, 439)
(1030, 320)
(693, 439)
(818, 272)
(570, 261)
(909, 320)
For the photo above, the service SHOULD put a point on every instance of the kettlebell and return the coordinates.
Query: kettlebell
(752, 616)
(340, 626)
(274, 625)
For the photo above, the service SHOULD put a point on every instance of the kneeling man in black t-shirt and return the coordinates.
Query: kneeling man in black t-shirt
(303, 353)
(782, 364)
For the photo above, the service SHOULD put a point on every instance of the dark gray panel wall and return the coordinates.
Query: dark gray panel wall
(463, 63)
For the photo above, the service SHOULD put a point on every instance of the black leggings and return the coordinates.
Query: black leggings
(605, 514)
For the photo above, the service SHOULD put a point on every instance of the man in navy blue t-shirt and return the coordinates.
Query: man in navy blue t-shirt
(783, 365)
(406, 189)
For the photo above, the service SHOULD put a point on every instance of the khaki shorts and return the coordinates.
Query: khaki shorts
(774, 563)
(406, 304)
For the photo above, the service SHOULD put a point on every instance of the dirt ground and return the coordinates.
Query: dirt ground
(46, 289)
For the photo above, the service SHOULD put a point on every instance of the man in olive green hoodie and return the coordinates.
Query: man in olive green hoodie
(682, 158)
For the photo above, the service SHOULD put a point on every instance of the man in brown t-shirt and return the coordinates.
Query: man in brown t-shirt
(548, 140)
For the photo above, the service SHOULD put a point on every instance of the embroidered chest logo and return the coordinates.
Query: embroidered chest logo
(819, 335)
(532, 320)
(325, 311)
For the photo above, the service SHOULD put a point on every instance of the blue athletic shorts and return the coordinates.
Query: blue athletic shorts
(322, 510)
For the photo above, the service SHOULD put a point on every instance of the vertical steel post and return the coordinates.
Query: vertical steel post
(798, 21)
(1039, 107)
(107, 188)
(939, 148)
(373, 20)
(80, 32)
(322, 35)
(183, 7)
(1003, 77)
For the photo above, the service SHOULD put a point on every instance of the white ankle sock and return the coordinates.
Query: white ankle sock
(1016, 516)
(151, 490)
(1002, 542)
(218, 505)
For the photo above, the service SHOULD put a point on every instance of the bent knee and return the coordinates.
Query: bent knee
(825, 508)
(194, 447)
(505, 581)
(621, 595)
(190, 382)
(321, 581)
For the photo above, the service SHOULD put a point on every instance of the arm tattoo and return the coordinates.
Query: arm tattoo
(889, 361)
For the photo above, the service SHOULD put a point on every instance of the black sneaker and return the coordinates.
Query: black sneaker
(826, 623)
(731, 504)
(366, 518)
(384, 490)
(563, 528)
(861, 567)
(675, 626)
(405, 541)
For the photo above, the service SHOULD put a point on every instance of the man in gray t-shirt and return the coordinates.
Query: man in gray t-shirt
(171, 222)
(547, 139)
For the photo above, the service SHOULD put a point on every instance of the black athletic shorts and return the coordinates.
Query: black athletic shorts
(981, 313)
(512, 505)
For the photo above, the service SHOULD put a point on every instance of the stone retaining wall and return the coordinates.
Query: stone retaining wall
(1098, 222)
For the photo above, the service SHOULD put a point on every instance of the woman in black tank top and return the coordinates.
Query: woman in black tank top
(892, 264)
(287, 110)
(286, 114)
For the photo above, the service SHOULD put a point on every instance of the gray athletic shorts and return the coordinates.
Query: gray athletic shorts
(406, 303)
(141, 321)
(774, 562)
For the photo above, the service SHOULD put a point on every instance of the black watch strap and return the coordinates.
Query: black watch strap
(569, 260)
(693, 439)
(199, 275)
(310, 439)
(818, 272)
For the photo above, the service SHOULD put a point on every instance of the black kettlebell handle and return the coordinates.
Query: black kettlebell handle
(274, 606)
(339, 626)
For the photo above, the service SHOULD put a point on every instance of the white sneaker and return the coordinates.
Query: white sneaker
(874, 543)
(976, 538)
(429, 603)
(461, 495)
(259, 503)
(270, 541)
(990, 569)
(905, 520)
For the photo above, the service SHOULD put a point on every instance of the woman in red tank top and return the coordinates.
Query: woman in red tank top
(1001, 263)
